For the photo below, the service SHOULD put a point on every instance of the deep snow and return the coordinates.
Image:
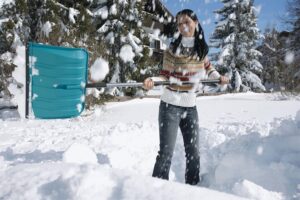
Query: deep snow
(250, 145)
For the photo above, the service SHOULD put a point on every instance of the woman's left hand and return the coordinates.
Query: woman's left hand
(224, 80)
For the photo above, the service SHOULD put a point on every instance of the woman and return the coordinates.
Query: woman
(185, 60)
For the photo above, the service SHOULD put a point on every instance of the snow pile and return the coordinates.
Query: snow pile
(109, 154)
(271, 163)
(65, 181)
(250, 190)
(99, 69)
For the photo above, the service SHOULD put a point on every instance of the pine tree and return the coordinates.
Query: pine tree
(62, 23)
(121, 28)
(273, 60)
(293, 7)
(77, 23)
(13, 32)
(293, 50)
(236, 34)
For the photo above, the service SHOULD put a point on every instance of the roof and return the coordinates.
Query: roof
(157, 7)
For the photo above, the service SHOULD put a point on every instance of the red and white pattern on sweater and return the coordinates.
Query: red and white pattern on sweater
(182, 67)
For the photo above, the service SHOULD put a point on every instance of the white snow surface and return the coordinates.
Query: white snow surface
(250, 145)
(80, 154)
(19, 75)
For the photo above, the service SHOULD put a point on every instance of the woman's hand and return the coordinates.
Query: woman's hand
(148, 84)
(224, 80)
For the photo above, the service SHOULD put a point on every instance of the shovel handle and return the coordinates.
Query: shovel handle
(140, 84)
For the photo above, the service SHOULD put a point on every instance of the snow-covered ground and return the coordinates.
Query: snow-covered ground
(250, 147)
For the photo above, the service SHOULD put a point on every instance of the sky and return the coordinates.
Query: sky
(270, 12)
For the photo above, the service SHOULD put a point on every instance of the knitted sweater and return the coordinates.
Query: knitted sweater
(182, 67)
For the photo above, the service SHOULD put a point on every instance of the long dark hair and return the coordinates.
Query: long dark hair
(200, 46)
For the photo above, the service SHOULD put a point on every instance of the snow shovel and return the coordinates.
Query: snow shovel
(56, 81)
(47, 67)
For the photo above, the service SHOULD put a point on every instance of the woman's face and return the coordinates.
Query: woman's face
(186, 25)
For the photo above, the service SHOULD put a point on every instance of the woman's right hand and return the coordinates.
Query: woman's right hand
(148, 84)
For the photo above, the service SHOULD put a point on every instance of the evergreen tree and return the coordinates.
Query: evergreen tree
(293, 50)
(120, 25)
(13, 32)
(63, 23)
(108, 29)
(273, 61)
(293, 7)
(236, 34)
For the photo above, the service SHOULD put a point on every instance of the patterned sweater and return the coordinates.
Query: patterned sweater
(183, 67)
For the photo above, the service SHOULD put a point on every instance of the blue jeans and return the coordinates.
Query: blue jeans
(170, 118)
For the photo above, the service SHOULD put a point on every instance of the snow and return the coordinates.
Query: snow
(249, 142)
(32, 61)
(99, 69)
(3, 20)
(289, 57)
(72, 14)
(249, 148)
(47, 28)
(97, 182)
(222, 23)
(80, 154)
(4, 2)
(103, 12)
(6, 56)
(252, 191)
(110, 37)
(113, 9)
(256, 65)
(104, 28)
(269, 47)
(126, 53)
(18, 74)
(232, 16)
(225, 52)
(174, 80)
(134, 41)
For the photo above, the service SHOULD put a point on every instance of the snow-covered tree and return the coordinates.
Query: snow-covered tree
(111, 30)
(120, 25)
(274, 66)
(293, 50)
(236, 34)
(62, 23)
(14, 30)
(293, 19)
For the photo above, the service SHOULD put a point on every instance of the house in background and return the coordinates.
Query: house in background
(159, 24)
